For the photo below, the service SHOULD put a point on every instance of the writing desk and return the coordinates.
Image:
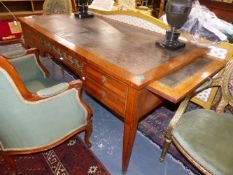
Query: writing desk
(120, 65)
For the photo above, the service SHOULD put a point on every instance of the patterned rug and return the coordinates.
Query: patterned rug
(154, 127)
(70, 158)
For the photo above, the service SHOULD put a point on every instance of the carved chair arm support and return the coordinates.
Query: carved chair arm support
(177, 116)
(78, 84)
(183, 105)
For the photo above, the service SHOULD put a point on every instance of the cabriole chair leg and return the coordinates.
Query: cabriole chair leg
(88, 134)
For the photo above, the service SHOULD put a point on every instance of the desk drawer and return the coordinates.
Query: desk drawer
(75, 64)
(112, 84)
(105, 96)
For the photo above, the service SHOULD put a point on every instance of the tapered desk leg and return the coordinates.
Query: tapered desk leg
(130, 128)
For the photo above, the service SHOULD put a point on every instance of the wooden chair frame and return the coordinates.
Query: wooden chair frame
(28, 96)
(221, 82)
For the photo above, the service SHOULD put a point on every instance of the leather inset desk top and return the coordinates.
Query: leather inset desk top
(174, 79)
(128, 47)
(129, 53)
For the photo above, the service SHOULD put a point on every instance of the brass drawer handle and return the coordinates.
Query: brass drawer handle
(103, 94)
(78, 64)
(64, 55)
(103, 79)
(70, 59)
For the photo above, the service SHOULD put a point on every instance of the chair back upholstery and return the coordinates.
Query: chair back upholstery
(8, 93)
(10, 98)
(27, 67)
(11, 88)
(12, 77)
(57, 7)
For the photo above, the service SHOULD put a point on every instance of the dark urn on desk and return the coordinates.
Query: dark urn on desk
(177, 12)
(83, 9)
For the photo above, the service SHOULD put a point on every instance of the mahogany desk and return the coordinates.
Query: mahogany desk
(119, 64)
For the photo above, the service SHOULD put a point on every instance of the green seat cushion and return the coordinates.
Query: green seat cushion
(208, 138)
(39, 84)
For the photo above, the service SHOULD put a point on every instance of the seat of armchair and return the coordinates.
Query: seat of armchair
(35, 85)
(198, 130)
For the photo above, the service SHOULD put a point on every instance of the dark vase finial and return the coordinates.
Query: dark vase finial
(177, 12)
(83, 9)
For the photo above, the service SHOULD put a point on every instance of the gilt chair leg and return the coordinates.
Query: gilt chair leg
(166, 146)
(88, 134)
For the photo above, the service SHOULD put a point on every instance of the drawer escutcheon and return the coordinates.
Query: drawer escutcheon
(103, 79)
(103, 94)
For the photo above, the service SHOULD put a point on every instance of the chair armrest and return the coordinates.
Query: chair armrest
(32, 51)
(59, 88)
(53, 90)
(183, 105)
(62, 87)
(76, 84)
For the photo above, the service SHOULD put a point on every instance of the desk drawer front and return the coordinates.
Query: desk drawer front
(112, 84)
(74, 63)
(105, 96)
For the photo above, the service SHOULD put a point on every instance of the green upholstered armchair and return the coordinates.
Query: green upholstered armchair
(33, 122)
(57, 7)
(33, 74)
(205, 136)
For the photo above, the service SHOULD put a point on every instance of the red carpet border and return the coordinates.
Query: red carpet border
(70, 158)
